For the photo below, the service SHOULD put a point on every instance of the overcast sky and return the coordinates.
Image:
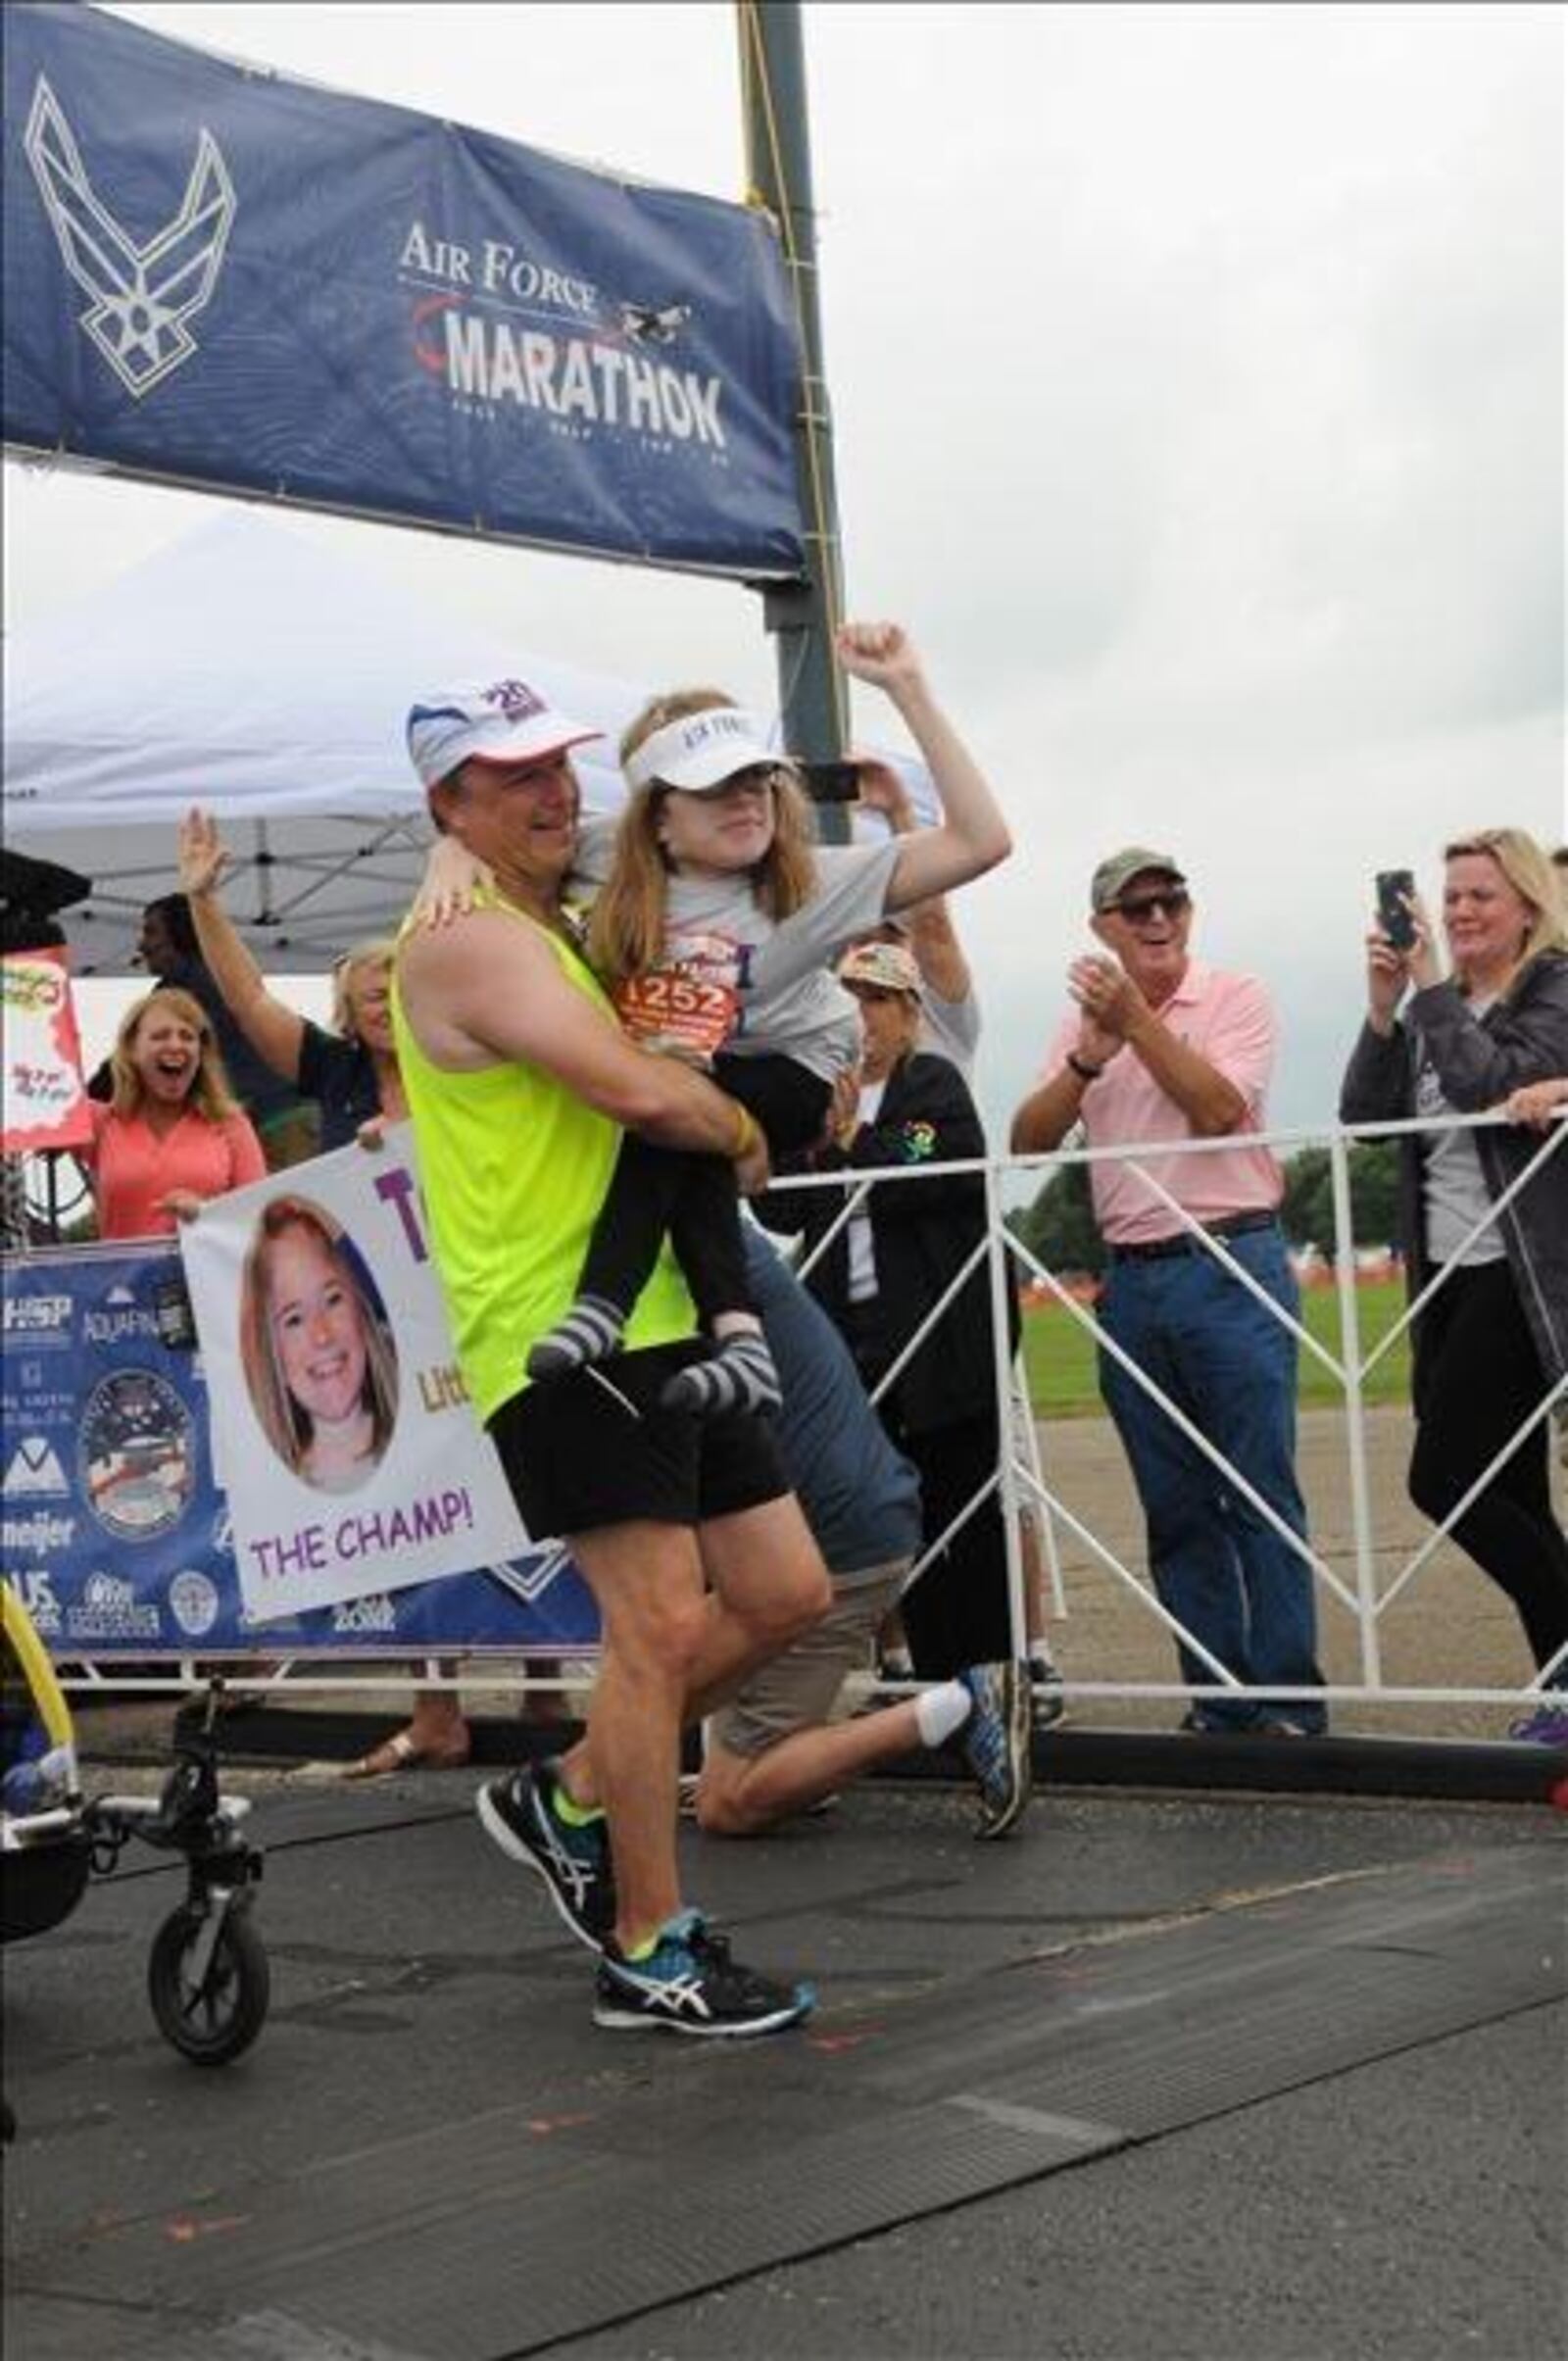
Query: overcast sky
(1198, 384)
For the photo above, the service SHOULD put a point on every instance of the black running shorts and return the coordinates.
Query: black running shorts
(596, 1448)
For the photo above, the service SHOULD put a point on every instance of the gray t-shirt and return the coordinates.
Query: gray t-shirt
(1454, 1186)
(735, 979)
(950, 1029)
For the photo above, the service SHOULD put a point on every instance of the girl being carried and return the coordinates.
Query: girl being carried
(715, 921)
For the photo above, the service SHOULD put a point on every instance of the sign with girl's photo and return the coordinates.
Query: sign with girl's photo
(341, 1427)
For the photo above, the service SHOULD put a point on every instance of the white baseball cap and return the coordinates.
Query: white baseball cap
(702, 751)
(503, 721)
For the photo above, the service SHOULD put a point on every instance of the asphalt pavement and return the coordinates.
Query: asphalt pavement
(1163, 2075)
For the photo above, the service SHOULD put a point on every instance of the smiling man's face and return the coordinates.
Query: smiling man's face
(1147, 927)
(519, 817)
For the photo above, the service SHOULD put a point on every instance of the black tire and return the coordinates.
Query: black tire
(214, 2025)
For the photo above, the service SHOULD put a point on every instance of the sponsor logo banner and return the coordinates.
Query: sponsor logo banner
(242, 281)
(114, 1530)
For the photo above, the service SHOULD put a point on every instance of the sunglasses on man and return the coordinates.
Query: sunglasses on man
(1171, 901)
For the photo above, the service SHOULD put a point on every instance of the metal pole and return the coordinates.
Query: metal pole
(1366, 1589)
(1001, 1379)
(801, 613)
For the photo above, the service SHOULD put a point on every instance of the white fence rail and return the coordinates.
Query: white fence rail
(1023, 1474)
(1368, 1599)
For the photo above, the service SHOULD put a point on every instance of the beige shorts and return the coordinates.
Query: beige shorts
(799, 1688)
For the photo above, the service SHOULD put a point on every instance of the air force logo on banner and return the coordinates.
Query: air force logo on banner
(143, 295)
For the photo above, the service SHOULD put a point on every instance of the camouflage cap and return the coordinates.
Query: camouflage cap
(1112, 875)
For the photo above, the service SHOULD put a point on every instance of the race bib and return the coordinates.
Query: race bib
(687, 1007)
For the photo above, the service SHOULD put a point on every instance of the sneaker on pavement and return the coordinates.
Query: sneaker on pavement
(996, 1742)
(1548, 1726)
(1048, 1691)
(689, 1984)
(518, 1813)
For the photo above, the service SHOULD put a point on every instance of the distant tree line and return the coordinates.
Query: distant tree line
(1059, 1225)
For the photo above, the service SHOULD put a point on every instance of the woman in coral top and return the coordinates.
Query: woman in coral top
(171, 1136)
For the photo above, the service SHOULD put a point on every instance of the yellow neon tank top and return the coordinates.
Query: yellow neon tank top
(514, 1169)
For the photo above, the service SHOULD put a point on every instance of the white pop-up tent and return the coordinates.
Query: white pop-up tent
(246, 670)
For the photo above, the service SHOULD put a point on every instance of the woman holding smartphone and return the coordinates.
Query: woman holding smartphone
(1493, 1341)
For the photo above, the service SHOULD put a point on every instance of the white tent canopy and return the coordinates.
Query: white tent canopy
(246, 670)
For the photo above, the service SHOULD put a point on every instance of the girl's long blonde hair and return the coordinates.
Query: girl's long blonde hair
(209, 1094)
(287, 1426)
(1528, 870)
(626, 931)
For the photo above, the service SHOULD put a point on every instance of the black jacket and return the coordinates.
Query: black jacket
(924, 1232)
(1479, 1060)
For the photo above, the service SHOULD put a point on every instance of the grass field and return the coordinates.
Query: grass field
(1059, 1355)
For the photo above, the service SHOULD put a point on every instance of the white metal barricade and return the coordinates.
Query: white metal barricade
(1022, 1475)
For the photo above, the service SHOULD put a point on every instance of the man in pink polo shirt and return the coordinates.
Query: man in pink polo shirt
(1160, 1047)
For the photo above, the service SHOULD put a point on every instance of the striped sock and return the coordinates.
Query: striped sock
(740, 1376)
(591, 1331)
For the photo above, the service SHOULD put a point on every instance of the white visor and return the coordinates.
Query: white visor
(702, 751)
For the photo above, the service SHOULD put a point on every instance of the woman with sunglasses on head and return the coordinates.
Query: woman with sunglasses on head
(714, 919)
(1493, 1341)
(171, 1136)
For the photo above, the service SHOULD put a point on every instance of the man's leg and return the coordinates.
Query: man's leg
(1191, 1557)
(647, 1583)
(740, 1795)
(774, 1750)
(624, 1480)
(1241, 1366)
(769, 1586)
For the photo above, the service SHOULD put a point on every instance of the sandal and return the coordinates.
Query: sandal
(402, 1751)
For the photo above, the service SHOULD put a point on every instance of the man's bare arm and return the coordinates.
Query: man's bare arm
(1048, 1115)
(487, 990)
(1208, 1099)
(1111, 1000)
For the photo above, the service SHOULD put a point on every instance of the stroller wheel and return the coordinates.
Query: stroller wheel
(210, 2021)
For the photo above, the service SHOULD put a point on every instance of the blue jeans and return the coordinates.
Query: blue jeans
(1228, 1365)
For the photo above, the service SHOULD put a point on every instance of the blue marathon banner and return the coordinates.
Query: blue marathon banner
(217, 275)
(116, 1534)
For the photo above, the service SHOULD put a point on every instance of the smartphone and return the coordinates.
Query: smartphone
(1395, 886)
(832, 782)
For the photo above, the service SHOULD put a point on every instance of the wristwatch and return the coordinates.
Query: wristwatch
(1082, 1068)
